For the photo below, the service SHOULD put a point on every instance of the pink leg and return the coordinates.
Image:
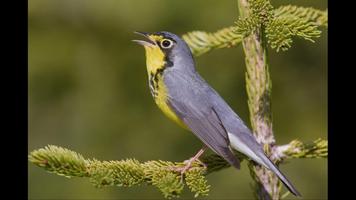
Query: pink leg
(188, 163)
(196, 157)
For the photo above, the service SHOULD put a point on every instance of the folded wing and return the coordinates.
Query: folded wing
(206, 125)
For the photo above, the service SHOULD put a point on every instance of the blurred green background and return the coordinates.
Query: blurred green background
(88, 92)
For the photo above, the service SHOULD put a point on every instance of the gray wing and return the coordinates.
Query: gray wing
(206, 125)
(242, 140)
(213, 121)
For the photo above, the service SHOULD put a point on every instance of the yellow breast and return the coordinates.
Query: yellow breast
(161, 101)
(155, 62)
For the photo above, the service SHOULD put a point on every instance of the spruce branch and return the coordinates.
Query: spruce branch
(291, 21)
(297, 149)
(276, 31)
(161, 174)
(197, 182)
(258, 25)
(279, 36)
(261, 12)
(309, 14)
(261, 9)
(201, 42)
(280, 30)
(279, 24)
(259, 87)
(61, 161)
(125, 173)
(246, 26)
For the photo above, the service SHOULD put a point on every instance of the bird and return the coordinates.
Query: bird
(187, 99)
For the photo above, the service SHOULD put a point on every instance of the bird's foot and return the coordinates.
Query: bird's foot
(188, 164)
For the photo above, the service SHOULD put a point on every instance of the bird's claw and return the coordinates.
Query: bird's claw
(188, 165)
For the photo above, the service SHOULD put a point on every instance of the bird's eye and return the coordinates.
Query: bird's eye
(166, 43)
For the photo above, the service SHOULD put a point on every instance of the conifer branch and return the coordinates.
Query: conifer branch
(125, 173)
(259, 24)
(277, 31)
(280, 30)
(297, 149)
(309, 14)
(201, 42)
(259, 87)
(161, 174)
(281, 24)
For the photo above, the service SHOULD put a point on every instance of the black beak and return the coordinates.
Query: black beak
(150, 42)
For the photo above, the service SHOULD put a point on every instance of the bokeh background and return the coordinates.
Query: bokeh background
(88, 92)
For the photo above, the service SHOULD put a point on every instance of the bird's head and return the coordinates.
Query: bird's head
(165, 49)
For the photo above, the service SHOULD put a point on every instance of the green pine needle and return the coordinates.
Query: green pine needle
(315, 149)
(124, 173)
(196, 182)
(279, 26)
(168, 182)
(201, 42)
(59, 160)
(309, 14)
(161, 174)
(279, 31)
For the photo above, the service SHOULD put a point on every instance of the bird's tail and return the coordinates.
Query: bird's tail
(271, 166)
(257, 154)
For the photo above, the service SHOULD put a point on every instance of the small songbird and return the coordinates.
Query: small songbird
(186, 98)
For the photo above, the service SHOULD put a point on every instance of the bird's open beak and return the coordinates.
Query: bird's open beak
(149, 43)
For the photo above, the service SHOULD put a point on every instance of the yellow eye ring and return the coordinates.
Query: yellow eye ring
(166, 43)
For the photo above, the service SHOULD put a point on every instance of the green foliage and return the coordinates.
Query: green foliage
(161, 174)
(279, 25)
(282, 23)
(315, 149)
(196, 182)
(246, 26)
(261, 14)
(124, 173)
(280, 31)
(309, 14)
(168, 182)
(59, 160)
(262, 10)
(294, 21)
(201, 42)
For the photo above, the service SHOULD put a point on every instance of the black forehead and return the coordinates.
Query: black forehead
(166, 35)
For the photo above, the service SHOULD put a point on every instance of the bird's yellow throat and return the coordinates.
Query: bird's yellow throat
(156, 64)
(154, 59)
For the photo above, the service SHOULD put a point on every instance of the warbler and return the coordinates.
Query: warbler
(186, 98)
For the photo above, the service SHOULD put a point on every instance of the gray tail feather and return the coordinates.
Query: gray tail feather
(285, 181)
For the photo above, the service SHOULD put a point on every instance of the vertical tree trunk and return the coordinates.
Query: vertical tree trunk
(259, 85)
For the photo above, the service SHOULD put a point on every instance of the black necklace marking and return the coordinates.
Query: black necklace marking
(153, 80)
(154, 76)
(152, 85)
